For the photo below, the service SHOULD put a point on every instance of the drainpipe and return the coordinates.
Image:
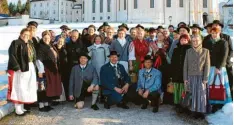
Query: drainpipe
(164, 12)
(127, 10)
(116, 10)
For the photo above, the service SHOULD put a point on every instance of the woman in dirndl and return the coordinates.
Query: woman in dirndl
(159, 50)
(196, 72)
(49, 73)
(218, 54)
(177, 65)
(138, 49)
(22, 82)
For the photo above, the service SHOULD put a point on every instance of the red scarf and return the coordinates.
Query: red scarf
(141, 50)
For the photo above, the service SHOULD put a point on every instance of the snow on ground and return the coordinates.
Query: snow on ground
(66, 114)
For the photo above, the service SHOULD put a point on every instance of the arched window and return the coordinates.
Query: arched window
(108, 5)
(151, 3)
(101, 6)
(204, 3)
(93, 6)
(135, 4)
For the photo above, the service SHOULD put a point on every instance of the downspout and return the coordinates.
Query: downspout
(58, 11)
(116, 10)
(164, 14)
(127, 10)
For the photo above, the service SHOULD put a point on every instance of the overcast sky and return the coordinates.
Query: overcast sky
(23, 1)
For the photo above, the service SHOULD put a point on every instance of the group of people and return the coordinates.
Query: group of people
(120, 67)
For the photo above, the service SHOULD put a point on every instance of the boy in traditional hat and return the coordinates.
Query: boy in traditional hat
(83, 79)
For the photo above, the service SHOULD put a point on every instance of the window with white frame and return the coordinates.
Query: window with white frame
(93, 6)
(125, 4)
(204, 3)
(151, 3)
(108, 5)
(135, 4)
(101, 6)
(181, 3)
(168, 3)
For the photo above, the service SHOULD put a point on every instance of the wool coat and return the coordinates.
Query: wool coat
(197, 63)
(80, 76)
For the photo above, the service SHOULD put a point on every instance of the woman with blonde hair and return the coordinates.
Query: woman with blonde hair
(196, 72)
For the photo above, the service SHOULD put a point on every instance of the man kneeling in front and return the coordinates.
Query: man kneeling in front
(149, 85)
(115, 82)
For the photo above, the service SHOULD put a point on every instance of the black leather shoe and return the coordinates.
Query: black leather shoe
(27, 111)
(94, 107)
(48, 108)
(54, 103)
(122, 105)
(43, 109)
(144, 106)
(106, 106)
(155, 109)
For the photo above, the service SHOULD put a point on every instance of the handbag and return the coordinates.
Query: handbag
(186, 100)
(170, 86)
(133, 77)
(217, 92)
(41, 84)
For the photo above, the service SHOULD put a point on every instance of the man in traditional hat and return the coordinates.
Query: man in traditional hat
(152, 35)
(208, 27)
(160, 29)
(115, 82)
(196, 30)
(33, 26)
(149, 85)
(83, 79)
(125, 28)
(181, 24)
(105, 26)
(65, 33)
(227, 38)
(139, 26)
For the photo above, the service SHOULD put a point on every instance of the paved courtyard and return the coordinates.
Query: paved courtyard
(66, 114)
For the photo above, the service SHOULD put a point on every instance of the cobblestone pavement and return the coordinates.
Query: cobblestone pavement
(66, 114)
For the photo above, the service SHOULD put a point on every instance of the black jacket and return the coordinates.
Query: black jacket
(74, 49)
(177, 62)
(18, 55)
(47, 57)
(226, 38)
(88, 40)
(218, 52)
(36, 41)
